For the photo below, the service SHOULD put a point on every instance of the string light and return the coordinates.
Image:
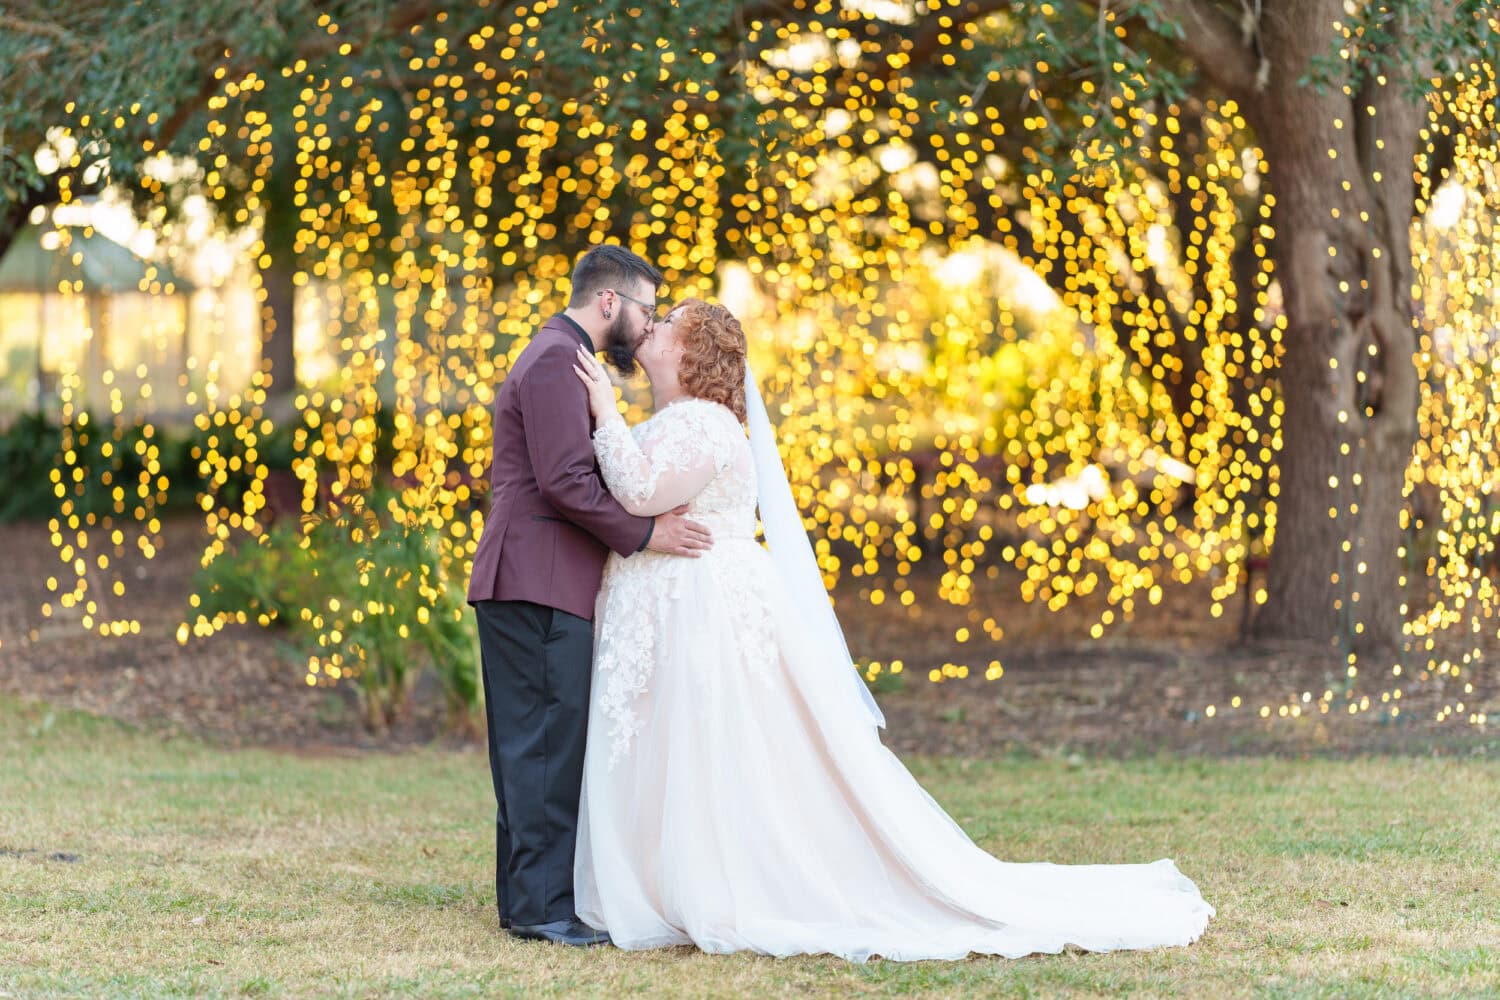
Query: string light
(1105, 438)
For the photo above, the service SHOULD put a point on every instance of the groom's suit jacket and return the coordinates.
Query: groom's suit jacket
(552, 522)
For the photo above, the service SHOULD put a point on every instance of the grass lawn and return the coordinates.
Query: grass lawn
(133, 865)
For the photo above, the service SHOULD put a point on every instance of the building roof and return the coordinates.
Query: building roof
(101, 264)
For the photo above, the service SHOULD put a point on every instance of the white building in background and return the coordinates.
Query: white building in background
(85, 288)
(73, 299)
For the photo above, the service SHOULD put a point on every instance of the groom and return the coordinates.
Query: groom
(535, 577)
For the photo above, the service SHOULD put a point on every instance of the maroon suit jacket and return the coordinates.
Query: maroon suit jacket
(552, 522)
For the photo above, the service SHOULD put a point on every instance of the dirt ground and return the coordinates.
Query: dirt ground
(1143, 688)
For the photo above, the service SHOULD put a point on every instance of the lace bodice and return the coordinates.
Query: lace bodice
(693, 451)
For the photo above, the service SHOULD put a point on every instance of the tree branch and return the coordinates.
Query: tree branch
(929, 40)
(1211, 38)
(403, 18)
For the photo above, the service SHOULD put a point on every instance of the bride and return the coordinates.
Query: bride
(736, 794)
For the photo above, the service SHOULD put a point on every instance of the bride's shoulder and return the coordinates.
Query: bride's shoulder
(703, 419)
(698, 410)
(719, 415)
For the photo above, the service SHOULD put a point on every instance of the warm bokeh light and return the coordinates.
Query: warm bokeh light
(938, 405)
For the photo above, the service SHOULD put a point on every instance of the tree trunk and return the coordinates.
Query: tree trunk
(278, 310)
(1343, 258)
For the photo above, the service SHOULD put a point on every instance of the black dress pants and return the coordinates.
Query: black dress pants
(536, 665)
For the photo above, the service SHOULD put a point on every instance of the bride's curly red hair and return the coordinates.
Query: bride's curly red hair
(713, 354)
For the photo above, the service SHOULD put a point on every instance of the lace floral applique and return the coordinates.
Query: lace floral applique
(624, 662)
(673, 455)
(745, 588)
(692, 445)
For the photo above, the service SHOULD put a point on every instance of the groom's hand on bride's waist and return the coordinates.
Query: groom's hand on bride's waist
(675, 534)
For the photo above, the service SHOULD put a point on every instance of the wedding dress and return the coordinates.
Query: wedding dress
(736, 795)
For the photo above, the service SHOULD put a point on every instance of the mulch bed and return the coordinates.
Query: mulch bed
(1140, 689)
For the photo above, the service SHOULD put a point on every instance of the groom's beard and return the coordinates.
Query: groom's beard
(618, 350)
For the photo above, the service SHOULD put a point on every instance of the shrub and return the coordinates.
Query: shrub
(28, 450)
(369, 591)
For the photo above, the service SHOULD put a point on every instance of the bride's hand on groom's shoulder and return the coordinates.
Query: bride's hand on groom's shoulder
(601, 391)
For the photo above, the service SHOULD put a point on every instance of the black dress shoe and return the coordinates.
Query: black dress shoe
(570, 932)
(505, 923)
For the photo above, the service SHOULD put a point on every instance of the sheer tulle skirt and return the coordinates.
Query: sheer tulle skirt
(754, 807)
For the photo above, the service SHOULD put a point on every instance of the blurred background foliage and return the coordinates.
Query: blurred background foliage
(1111, 298)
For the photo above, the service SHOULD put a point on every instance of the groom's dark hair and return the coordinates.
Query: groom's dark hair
(609, 266)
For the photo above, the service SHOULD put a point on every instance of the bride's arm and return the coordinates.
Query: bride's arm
(681, 460)
(680, 464)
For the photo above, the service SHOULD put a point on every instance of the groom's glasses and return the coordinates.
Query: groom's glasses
(649, 308)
